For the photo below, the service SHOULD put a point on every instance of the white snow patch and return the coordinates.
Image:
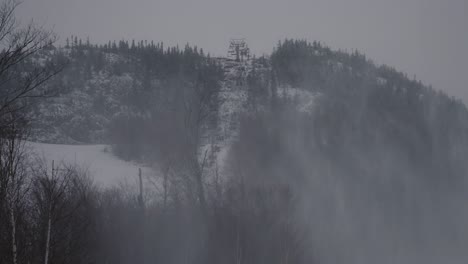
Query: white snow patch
(381, 81)
(305, 99)
(106, 169)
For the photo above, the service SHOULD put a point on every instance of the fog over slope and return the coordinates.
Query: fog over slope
(308, 155)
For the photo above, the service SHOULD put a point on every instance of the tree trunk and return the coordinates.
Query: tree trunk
(49, 226)
(165, 186)
(200, 190)
(13, 235)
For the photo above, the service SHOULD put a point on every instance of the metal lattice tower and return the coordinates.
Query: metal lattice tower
(238, 49)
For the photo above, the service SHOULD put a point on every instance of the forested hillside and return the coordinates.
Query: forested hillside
(101, 86)
(308, 155)
(127, 95)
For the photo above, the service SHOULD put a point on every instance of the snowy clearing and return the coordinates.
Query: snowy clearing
(106, 169)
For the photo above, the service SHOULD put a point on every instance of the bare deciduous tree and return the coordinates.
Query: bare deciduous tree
(19, 44)
(13, 181)
(57, 195)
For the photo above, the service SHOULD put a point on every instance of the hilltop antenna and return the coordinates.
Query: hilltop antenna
(238, 49)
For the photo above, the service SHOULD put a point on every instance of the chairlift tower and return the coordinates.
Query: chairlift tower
(239, 49)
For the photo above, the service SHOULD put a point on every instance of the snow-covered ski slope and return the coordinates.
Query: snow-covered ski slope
(106, 169)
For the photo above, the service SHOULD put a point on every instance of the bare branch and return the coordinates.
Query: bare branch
(18, 46)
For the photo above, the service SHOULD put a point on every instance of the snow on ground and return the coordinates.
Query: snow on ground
(381, 81)
(233, 97)
(106, 169)
(305, 99)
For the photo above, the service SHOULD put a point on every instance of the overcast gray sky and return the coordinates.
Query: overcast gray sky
(426, 38)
